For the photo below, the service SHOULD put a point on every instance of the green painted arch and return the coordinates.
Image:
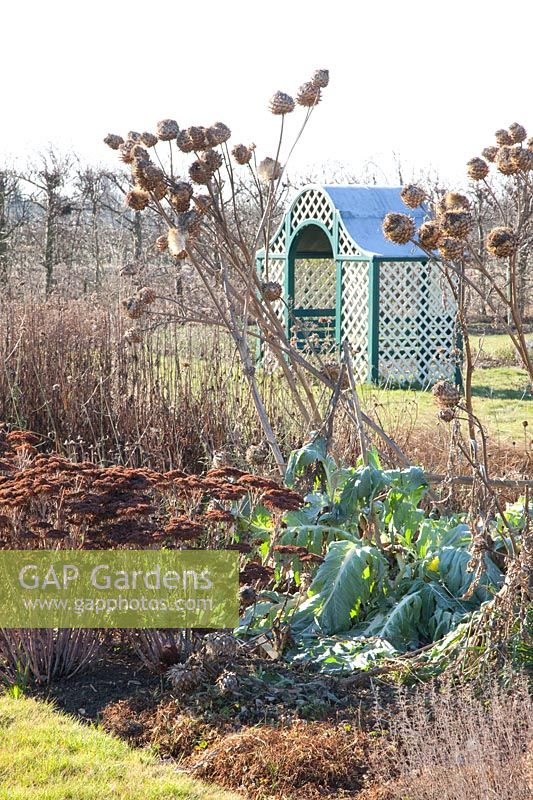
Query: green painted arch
(307, 223)
(284, 228)
(292, 255)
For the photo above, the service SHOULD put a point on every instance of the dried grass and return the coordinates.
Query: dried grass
(455, 744)
(165, 729)
(170, 402)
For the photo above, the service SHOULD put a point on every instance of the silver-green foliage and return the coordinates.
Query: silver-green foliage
(392, 580)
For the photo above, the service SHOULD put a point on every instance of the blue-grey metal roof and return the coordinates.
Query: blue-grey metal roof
(362, 209)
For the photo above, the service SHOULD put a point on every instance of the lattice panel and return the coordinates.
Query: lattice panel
(346, 244)
(314, 283)
(416, 325)
(314, 335)
(276, 272)
(355, 314)
(278, 245)
(315, 205)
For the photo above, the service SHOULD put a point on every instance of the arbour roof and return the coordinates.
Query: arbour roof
(362, 209)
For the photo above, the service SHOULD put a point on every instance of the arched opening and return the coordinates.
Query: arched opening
(313, 284)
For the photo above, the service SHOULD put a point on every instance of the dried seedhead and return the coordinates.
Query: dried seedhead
(517, 133)
(218, 133)
(146, 295)
(137, 199)
(456, 223)
(133, 308)
(413, 196)
(149, 139)
(271, 290)
(453, 201)
(269, 169)
(398, 228)
(428, 234)
(242, 154)
(501, 241)
(309, 94)
(320, 78)
(180, 196)
(167, 129)
(281, 103)
(113, 141)
(450, 248)
(446, 395)
(503, 137)
(508, 160)
(477, 169)
(490, 153)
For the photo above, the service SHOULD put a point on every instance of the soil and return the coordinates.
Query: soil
(114, 677)
(268, 691)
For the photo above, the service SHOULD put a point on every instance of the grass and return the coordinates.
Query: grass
(46, 755)
(502, 396)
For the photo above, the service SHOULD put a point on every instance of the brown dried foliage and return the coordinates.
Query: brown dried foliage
(48, 501)
(311, 759)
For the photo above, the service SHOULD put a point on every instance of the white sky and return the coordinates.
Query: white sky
(430, 80)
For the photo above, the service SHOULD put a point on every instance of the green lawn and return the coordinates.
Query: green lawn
(46, 755)
(502, 396)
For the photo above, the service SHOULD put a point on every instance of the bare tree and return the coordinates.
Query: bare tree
(48, 180)
(13, 214)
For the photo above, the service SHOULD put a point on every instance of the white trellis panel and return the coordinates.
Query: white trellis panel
(313, 204)
(314, 283)
(278, 245)
(346, 245)
(416, 324)
(355, 314)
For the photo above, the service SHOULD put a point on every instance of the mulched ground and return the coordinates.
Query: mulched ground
(280, 734)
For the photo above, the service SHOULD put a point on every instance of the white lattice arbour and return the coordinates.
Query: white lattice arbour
(416, 312)
(355, 314)
(417, 335)
(313, 204)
